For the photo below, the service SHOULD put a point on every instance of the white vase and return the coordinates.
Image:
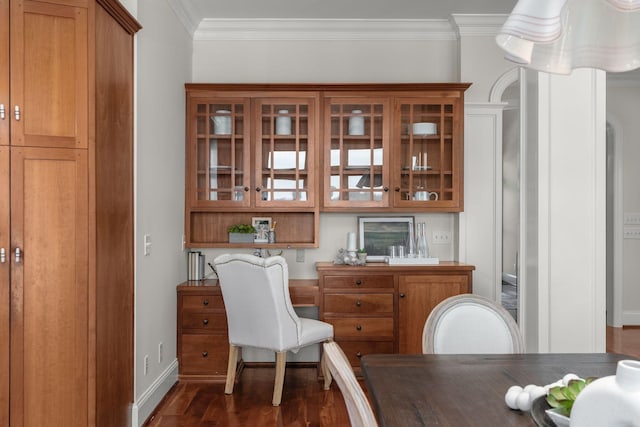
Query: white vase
(612, 401)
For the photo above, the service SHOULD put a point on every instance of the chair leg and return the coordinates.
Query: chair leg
(231, 369)
(324, 366)
(281, 362)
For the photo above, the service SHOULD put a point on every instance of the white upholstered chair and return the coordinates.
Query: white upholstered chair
(358, 407)
(260, 314)
(470, 324)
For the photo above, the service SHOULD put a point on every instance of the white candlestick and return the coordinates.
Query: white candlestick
(351, 241)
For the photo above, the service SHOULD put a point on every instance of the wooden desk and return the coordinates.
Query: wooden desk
(466, 390)
(203, 346)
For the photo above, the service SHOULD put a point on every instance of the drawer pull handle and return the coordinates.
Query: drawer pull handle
(205, 302)
(358, 327)
(358, 355)
(205, 321)
(358, 282)
(358, 303)
(402, 295)
(205, 354)
(386, 189)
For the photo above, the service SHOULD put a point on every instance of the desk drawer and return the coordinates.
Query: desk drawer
(354, 350)
(212, 322)
(362, 327)
(202, 301)
(358, 303)
(204, 354)
(359, 281)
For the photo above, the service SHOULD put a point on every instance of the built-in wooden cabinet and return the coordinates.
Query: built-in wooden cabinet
(252, 151)
(377, 308)
(289, 151)
(202, 339)
(393, 147)
(66, 213)
(418, 294)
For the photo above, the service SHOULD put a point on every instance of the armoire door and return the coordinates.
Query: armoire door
(4, 285)
(49, 74)
(49, 287)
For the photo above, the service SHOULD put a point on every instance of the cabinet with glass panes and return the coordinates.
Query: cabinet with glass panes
(356, 152)
(251, 154)
(428, 154)
(394, 147)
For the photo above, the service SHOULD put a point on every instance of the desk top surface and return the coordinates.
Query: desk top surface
(466, 390)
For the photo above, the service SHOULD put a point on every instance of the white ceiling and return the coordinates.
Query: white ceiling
(343, 9)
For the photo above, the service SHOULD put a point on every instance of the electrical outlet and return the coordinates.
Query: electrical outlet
(147, 244)
(632, 218)
(441, 237)
(160, 353)
(299, 255)
(632, 232)
(146, 364)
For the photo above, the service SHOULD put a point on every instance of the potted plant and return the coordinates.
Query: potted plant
(241, 233)
(362, 254)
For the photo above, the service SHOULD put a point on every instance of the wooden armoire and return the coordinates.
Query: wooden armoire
(66, 213)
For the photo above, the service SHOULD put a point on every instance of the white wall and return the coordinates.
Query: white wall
(163, 66)
(622, 107)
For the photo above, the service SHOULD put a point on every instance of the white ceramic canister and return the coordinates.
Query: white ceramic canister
(610, 401)
(356, 123)
(222, 122)
(283, 123)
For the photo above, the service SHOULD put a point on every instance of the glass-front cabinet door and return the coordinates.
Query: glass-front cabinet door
(356, 153)
(219, 153)
(428, 159)
(285, 152)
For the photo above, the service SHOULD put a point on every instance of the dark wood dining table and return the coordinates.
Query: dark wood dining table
(466, 390)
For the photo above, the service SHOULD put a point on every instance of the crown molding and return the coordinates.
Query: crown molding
(477, 25)
(324, 29)
(186, 14)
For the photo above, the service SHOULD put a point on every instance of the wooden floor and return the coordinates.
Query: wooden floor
(304, 402)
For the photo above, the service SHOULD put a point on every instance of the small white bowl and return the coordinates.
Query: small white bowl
(425, 128)
(559, 419)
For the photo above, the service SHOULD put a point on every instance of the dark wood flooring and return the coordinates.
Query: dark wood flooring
(304, 402)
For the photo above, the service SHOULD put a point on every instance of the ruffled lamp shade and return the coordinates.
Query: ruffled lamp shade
(557, 36)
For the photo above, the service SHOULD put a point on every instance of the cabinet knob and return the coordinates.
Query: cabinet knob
(358, 355)
(397, 189)
(358, 282)
(205, 321)
(386, 189)
(205, 302)
(205, 354)
(402, 295)
(358, 327)
(246, 189)
(258, 189)
(358, 303)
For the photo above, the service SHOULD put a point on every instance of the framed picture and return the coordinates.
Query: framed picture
(262, 226)
(376, 234)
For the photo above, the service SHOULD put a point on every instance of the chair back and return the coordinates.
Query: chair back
(358, 407)
(257, 302)
(470, 324)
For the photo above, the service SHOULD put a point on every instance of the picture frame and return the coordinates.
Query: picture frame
(262, 226)
(376, 234)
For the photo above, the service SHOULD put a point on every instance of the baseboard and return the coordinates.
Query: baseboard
(152, 396)
(630, 318)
